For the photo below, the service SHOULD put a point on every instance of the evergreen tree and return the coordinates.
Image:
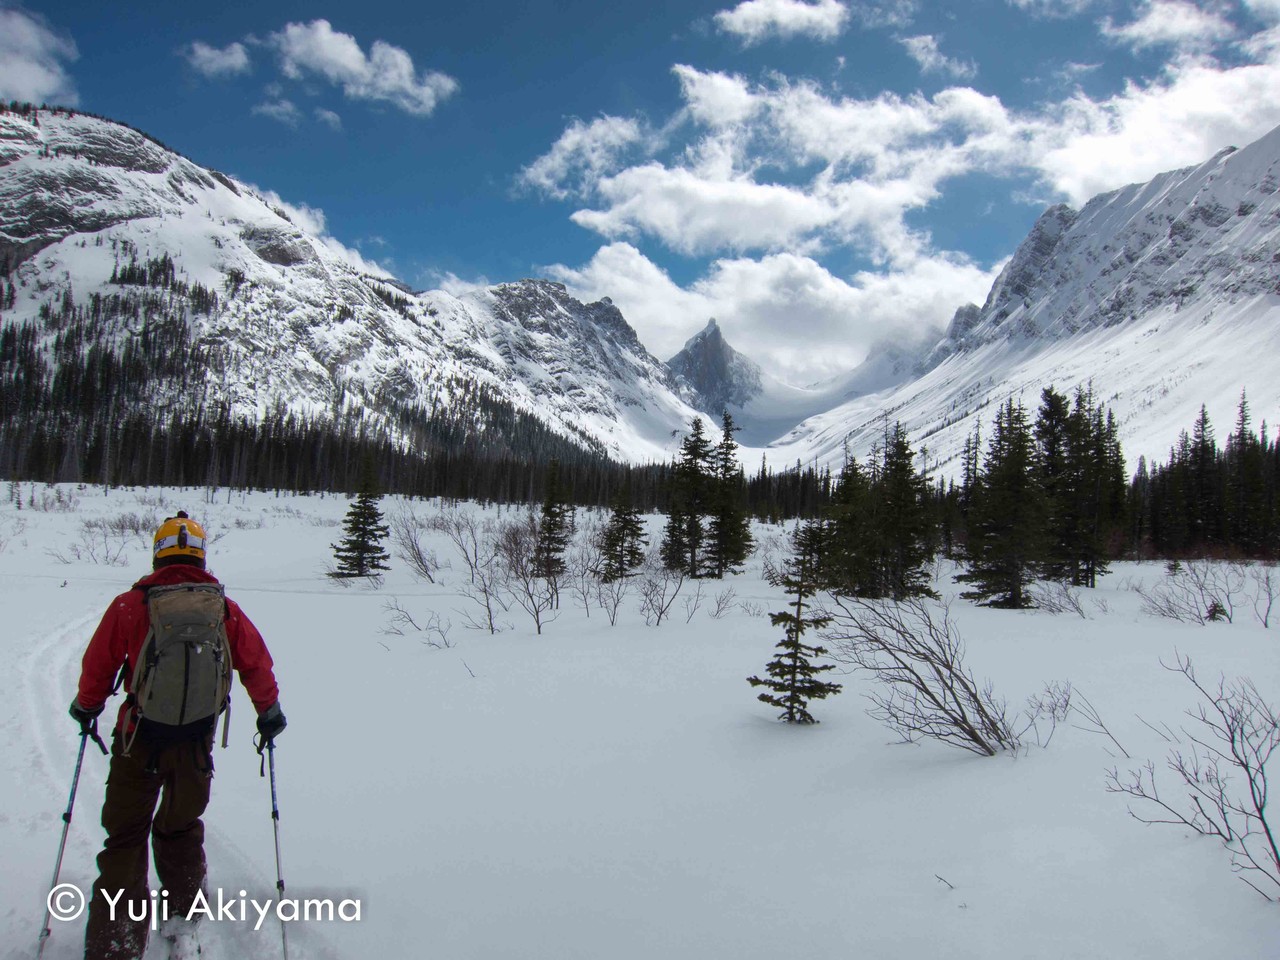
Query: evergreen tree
(685, 533)
(554, 527)
(360, 553)
(1006, 524)
(904, 524)
(792, 676)
(729, 538)
(846, 562)
(1054, 474)
(623, 542)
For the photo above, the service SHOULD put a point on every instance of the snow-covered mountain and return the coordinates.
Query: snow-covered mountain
(90, 208)
(1161, 295)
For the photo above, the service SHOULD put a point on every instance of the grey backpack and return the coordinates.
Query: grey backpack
(182, 680)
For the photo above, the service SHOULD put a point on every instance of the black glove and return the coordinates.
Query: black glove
(84, 717)
(271, 722)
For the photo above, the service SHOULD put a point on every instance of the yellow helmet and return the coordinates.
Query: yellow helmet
(179, 537)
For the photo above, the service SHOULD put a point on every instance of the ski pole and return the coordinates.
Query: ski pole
(270, 747)
(87, 731)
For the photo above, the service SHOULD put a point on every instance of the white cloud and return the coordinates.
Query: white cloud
(880, 158)
(774, 175)
(328, 118)
(884, 13)
(755, 20)
(715, 99)
(33, 59)
(1091, 146)
(584, 153)
(282, 111)
(786, 310)
(1172, 23)
(924, 51)
(454, 285)
(387, 73)
(695, 213)
(211, 62)
(1264, 9)
(1054, 8)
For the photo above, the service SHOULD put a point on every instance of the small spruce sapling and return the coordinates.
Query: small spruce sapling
(793, 677)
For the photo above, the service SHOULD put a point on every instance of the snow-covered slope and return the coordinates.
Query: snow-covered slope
(1162, 295)
(304, 324)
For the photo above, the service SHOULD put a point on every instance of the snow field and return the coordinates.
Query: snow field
(618, 792)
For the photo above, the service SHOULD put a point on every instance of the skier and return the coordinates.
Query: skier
(162, 743)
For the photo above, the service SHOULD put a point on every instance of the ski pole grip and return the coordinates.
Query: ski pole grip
(92, 732)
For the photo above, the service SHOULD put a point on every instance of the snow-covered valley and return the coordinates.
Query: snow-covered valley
(616, 791)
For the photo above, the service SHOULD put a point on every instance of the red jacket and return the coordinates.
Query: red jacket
(123, 630)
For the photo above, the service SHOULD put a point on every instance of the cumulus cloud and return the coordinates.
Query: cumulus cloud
(1173, 23)
(583, 154)
(755, 20)
(1089, 146)
(279, 110)
(877, 159)
(763, 303)
(924, 51)
(33, 58)
(716, 99)
(387, 73)
(212, 62)
(771, 176)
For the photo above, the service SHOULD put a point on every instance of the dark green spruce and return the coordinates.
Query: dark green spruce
(793, 677)
(360, 554)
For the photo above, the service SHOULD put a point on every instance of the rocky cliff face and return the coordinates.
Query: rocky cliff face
(719, 377)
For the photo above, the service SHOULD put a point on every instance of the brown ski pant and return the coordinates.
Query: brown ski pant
(179, 776)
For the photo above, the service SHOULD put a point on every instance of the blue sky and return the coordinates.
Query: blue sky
(819, 175)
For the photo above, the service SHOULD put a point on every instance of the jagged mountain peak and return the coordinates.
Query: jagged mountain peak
(720, 377)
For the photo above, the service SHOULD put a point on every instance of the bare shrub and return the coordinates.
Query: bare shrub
(52, 500)
(10, 527)
(582, 567)
(723, 602)
(913, 651)
(692, 602)
(1093, 721)
(476, 543)
(610, 595)
(659, 587)
(536, 595)
(468, 536)
(434, 631)
(1049, 708)
(1057, 596)
(1232, 736)
(103, 540)
(406, 536)
(1266, 583)
(1196, 591)
(752, 608)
